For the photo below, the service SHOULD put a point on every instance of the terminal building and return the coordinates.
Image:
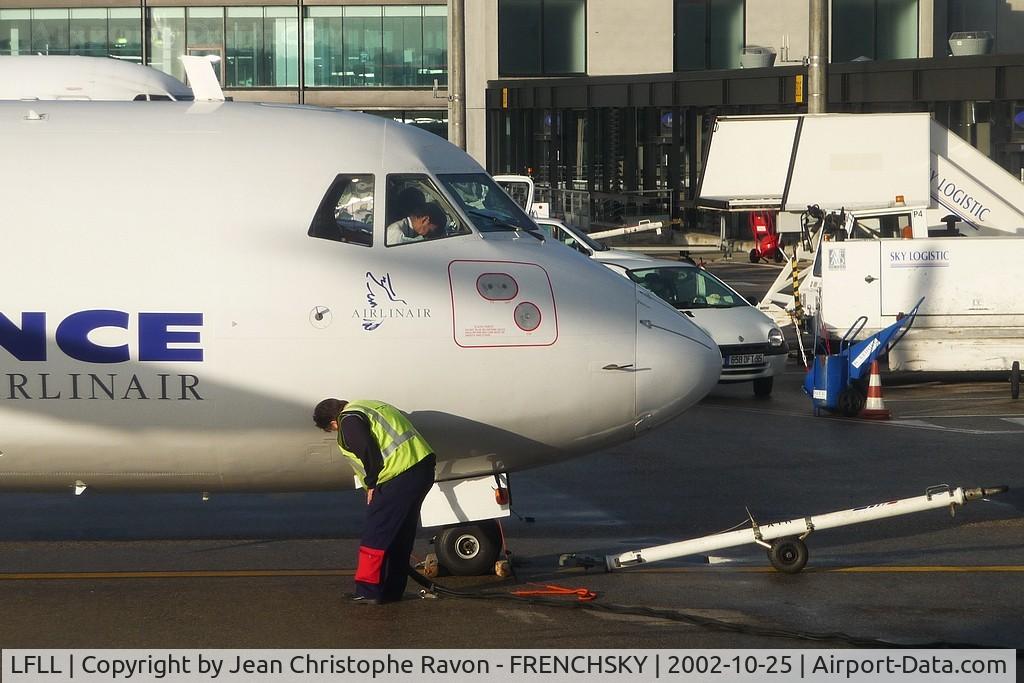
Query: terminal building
(606, 104)
(610, 107)
(382, 57)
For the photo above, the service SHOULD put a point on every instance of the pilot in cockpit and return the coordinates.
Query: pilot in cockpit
(423, 222)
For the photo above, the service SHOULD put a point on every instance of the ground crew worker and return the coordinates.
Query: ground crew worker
(395, 464)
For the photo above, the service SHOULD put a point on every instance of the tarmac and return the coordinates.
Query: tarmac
(174, 571)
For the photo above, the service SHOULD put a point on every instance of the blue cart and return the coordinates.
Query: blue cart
(836, 382)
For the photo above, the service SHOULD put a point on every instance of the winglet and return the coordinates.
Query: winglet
(202, 78)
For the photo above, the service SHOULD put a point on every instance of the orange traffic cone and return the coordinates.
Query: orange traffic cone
(874, 407)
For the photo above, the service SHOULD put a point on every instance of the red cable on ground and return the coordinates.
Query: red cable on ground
(582, 594)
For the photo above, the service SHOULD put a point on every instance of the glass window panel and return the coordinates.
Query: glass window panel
(88, 32)
(403, 11)
(167, 40)
(973, 15)
(281, 56)
(853, 29)
(322, 34)
(897, 29)
(243, 42)
(363, 44)
(435, 45)
(15, 31)
(125, 34)
(346, 211)
(403, 45)
(519, 32)
(725, 29)
(368, 11)
(205, 28)
(50, 31)
(691, 22)
(565, 36)
(418, 212)
(435, 121)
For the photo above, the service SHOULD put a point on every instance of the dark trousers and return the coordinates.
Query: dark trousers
(390, 532)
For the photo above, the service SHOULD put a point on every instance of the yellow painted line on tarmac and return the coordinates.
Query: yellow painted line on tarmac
(926, 569)
(197, 574)
(277, 573)
(923, 569)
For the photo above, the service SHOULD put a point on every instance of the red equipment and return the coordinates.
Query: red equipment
(767, 241)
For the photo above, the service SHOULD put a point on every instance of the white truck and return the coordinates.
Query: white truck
(924, 214)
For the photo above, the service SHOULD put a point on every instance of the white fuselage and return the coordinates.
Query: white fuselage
(168, 324)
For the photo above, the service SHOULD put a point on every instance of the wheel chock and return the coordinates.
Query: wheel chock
(429, 567)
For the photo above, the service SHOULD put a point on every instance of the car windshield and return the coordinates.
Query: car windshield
(490, 209)
(587, 239)
(570, 236)
(686, 288)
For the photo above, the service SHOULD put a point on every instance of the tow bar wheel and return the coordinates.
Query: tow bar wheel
(788, 555)
(469, 550)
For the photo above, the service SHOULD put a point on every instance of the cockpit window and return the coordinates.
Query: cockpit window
(346, 211)
(418, 212)
(487, 205)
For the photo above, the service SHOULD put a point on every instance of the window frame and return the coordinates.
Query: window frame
(874, 36)
(543, 71)
(448, 206)
(325, 211)
(707, 39)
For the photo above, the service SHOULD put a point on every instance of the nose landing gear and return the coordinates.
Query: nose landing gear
(470, 549)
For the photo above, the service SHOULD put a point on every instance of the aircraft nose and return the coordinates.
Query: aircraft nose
(677, 362)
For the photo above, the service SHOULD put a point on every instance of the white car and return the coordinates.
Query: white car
(573, 237)
(753, 347)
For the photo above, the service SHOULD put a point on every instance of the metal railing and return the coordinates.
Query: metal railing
(607, 209)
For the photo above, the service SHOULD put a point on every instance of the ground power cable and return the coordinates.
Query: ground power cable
(436, 589)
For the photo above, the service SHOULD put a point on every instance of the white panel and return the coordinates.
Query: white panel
(526, 318)
(946, 272)
(749, 158)
(861, 161)
(850, 284)
(966, 182)
(463, 500)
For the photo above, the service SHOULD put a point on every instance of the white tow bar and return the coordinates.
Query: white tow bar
(785, 540)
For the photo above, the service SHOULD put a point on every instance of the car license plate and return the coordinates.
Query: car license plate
(745, 359)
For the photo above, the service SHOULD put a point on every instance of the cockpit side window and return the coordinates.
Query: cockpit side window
(418, 212)
(346, 211)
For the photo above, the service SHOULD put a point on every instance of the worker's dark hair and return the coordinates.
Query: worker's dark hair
(435, 213)
(407, 202)
(327, 411)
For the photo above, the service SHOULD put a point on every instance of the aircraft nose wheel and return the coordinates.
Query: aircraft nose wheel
(788, 555)
(469, 550)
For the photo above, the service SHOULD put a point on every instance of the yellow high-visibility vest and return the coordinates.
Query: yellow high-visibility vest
(400, 444)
